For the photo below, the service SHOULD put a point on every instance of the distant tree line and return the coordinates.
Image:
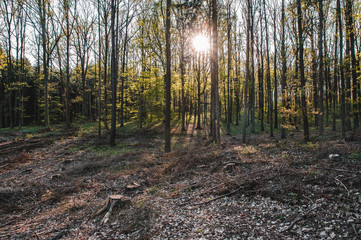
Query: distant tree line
(289, 65)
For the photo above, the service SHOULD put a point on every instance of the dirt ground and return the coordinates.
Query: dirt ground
(52, 186)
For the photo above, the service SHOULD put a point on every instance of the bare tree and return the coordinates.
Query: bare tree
(248, 74)
(83, 42)
(284, 68)
(114, 67)
(215, 121)
(302, 72)
(167, 147)
(50, 35)
(320, 65)
(342, 75)
(268, 73)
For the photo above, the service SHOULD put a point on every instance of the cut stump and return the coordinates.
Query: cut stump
(111, 202)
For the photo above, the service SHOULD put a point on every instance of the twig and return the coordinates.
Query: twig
(4, 165)
(337, 170)
(307, 198)
(103, 208)
(348, 192)
(219, 197)
(298, 219)
(107, 215)
(354, 228)
(37, 236)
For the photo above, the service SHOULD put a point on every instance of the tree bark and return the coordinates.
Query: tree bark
(302, 74)
(167, 146)
(320, 66)
(268, 75)
(215, 123)
(113, 71)
(284, 69)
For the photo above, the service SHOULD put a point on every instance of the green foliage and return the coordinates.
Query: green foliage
(356, 156)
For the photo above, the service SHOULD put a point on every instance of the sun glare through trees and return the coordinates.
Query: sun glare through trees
(200, 43)
(180, 119)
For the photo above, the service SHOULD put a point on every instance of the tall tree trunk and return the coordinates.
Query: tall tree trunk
(167, 146)
(314, 75)
(275, 69)
(198, 79)
(43, 23)
(229, 27)
(335, 81)
(182, 60)
(248, 74)
(343, 117)
(252, 93)
(261, 75)
(99, 78)
(284, 66)
(268, 75)
(106, 51)
(215, 123)
(113, 71)
(302, 74)
(125, 45)
(320, 67)
(351, 33)
(67, 83)
(237, 81)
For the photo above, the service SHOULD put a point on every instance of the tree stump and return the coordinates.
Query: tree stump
(111, 202)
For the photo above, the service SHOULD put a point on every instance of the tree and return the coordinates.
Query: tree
(99, 74)
(229, 61)
(350, 34)
(284, 69)
(9, 9)
(50, 36)
(167, 146)
(114, 69)
(342, 75)
(268, 74)
(320, 63)
(302, 73)
(275, 68)
(68, 32)
(248, 74)
(83, 42)
(215, 123)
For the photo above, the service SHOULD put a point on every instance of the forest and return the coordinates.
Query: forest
(183, 119)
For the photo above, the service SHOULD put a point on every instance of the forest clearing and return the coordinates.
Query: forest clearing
(269, 188)
(180, 119)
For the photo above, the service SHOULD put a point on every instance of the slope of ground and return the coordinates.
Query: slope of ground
(266, 189)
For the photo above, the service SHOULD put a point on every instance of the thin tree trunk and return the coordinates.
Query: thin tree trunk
(252, 93)
(302, 74)
(343, 120)
(167, 146)
(229, 26)
(320, 68)
(284, 66)
(113, 71)
(268, 75)
(215, 123)
(275, 70)
(248, 74)
(350, 31)
(99, 78)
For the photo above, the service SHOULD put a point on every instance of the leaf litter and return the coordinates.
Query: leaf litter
(267, 189)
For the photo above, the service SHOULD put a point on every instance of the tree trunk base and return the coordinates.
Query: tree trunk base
(112, 202)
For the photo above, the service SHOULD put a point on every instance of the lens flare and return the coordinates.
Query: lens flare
(200, 43)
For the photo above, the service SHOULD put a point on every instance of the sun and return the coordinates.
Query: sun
(200, 43)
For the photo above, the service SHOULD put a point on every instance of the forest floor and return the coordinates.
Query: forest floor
(53, 183)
